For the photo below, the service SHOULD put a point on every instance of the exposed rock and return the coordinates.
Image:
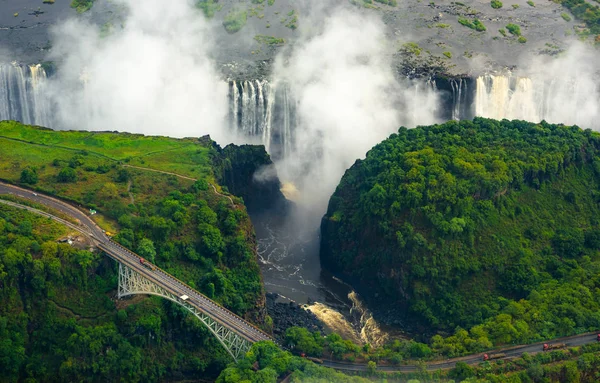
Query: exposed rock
(288, 314)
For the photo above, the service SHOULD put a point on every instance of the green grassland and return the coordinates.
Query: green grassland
(112, 146)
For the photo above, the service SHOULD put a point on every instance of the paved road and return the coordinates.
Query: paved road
(86, 226)
(511, 352)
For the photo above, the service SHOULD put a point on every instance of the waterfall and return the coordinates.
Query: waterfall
(263, 113)
(22, 96)
(459, 98)
(566, 99)
(370, 332)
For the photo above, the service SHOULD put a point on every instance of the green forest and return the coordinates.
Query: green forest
(484, 231)
(190, 227)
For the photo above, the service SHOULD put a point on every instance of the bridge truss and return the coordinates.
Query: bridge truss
(131, 283)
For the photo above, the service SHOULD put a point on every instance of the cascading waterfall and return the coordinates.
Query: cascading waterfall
(459, 98)
(22, 96)
(263, 113)
(568, 100)
(370, 332)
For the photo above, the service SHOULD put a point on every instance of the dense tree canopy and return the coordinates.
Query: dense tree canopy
(475, 223)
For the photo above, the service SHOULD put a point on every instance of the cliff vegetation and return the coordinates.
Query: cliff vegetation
(484, 230)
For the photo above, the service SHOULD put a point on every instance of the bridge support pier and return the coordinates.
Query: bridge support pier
(131, 283)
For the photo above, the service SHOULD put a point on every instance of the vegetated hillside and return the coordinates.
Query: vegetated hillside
(492, 224)
(267, 363)
(183, 225)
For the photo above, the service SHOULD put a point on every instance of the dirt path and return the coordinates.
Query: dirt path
(183, 177)
(130, 193)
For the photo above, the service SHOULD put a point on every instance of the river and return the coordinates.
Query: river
(289, 259)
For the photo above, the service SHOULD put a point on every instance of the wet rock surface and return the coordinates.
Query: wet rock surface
(288, 314)
(441, 43)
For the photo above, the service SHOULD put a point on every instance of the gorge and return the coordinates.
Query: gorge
(318, 85)
(266, 112)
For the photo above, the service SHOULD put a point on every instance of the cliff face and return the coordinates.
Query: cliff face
(443, 226)
(248, 172)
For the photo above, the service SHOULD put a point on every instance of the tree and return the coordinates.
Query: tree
(210, 290)
(25, 228)
(461, 371)
(122, 175)
(29, 176)
(302, 340)
(67, 175)
(371, 367)
(211, 239)
(146, 249)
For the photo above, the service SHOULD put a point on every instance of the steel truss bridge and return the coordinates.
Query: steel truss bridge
(234, 333)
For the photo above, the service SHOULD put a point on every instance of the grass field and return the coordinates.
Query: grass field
(97, 159)
(187, 156)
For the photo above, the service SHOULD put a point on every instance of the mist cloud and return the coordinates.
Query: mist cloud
(152, 76)
(348, 99)
(566, 87)
(561, 89)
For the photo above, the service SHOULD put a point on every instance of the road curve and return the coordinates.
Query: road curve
(88, 227)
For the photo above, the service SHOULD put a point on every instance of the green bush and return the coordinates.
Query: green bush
(475, 24)
(269, 40)
(496, 4)
(565, 16)
(209, 7)
(235, 20)
(586, 12)
(29, 176)
(531, 3)
(522, 39)
(82, 5)
(514, 29)
(448, 54)
(67, 174)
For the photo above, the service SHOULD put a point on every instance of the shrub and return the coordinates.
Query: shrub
(496, 4)
(235, 20)
(29, 176)
(209, 7)
(565, 16)
(531, 3)
(413, 48)
(502, 32)
(522, 39)
(475, 24)
(448, 54)
(67, 174)
(82, 5)
(514, 29)
(269, 40)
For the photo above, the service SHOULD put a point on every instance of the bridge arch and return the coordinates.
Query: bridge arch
(133, 283)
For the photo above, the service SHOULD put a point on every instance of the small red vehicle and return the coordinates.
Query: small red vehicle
(556, 346)
(493, 356)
